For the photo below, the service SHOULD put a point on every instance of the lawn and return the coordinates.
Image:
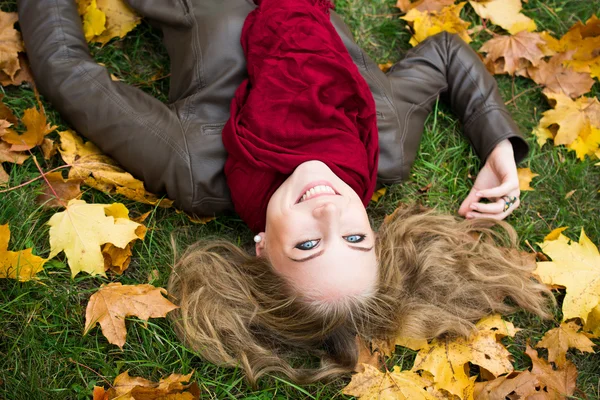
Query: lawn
(43, 353)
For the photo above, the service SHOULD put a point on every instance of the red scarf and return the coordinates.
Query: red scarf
(304, 100)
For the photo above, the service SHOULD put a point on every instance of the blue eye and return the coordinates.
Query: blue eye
(308, 245)
(355, 238)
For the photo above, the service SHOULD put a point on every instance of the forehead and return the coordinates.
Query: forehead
(339, 272)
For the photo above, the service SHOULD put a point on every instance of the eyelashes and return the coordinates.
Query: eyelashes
(311, 244)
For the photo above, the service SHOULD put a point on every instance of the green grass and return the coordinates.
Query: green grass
(43, 354)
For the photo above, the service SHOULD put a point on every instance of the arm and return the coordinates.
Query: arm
(445, 65)
(138, 131)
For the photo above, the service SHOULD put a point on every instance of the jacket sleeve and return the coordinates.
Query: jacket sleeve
(138, 131)
(445, 65)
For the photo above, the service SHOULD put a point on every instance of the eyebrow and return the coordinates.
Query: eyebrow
(365, 249)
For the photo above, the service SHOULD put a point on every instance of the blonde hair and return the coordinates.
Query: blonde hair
(437, 275)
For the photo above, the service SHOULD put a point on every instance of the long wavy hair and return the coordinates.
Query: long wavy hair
(437, 275)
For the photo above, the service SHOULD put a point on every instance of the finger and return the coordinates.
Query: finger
(496, 207)
(470, 199)
(496, 216)
(503, 190)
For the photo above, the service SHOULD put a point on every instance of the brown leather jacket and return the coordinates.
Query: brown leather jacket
(176, 148)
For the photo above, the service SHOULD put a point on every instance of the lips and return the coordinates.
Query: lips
(316, 189)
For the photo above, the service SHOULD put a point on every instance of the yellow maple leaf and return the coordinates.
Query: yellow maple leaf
(576, 267)
(569, 118)
(10, 44)
(587, 143)
(378, 194)
(558, 340)
(593, 322)
(127, 387)
(82, 228)
(94, 21)
(504, 13)
(102, 172)
(113, 302)
(37, 128)
(447, 359)
(427, 24)
(372, 384)
(21, 265)
(525, 177)
(542, 135)
(120, 19)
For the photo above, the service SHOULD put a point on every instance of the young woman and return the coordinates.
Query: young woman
(314, 125)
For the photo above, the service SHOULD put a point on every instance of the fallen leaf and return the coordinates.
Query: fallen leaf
(587, 143)
(6, 113)
(516, 385)
(543, 135)
(569, 118)
(82, 228)
(447, 359)
(378, 194)
(570, 194)
(37, 128)
(49, 148)
(4, 177)
(525, 177)
(10, 44)
(559, 382)
(412, 343)
(510, 54)
(7, 155)
(576, 267)
(366, 355)
(426, 24)
(373, 384)
(559, 79)
(385, 67)
(423, 5)
(94, 21)
(558, 340)
(23, 74)
(116, 259)
(120, 20)
(112, 303)
(101, 172)
(504, 13)
(21, 265)
(593, 322)
(127, 387)
(66, 189)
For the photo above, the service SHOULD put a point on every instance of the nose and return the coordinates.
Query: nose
(326, 211)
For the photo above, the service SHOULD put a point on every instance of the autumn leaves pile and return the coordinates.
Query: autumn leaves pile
(98, 238)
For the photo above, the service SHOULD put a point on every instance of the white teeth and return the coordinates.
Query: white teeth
(315, 190)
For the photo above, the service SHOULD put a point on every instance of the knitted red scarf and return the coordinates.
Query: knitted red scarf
(304, 100)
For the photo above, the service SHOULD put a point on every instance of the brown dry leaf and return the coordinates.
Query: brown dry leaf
(504, 13)
(558, 340)
(576, 267)
(21, 265)
(116, 259)
(65, 189)
(569, 118)
(195, 219)
(427, 24)
(366, 356)
(10, 44)
(127, 387)
(373, 384)
(560, 79)
(7, 155)
(511, 54)
(6, 113)
(525, 177)
(517, 385)
(120, 20)
(49, 148)
(559, 382)
(101, 172)
(37, 128)
(447, 359)
(82, 228)
(23, 74)
(423, 5)
(4, 177)
(113, 302)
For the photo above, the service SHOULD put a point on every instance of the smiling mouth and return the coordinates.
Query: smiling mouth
(317, 191)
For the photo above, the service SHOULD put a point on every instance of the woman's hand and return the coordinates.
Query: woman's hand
(498, 182)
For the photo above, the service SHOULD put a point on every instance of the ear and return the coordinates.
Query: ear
(260, 246)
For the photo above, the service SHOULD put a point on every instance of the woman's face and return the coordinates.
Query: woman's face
(318, 235)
